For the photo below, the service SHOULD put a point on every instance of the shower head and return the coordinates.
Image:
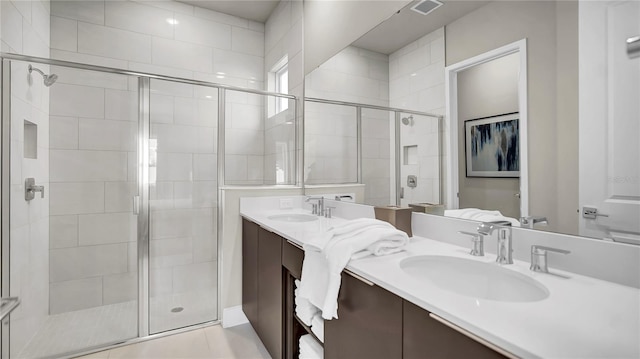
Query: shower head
(47, 79)
(407, 121)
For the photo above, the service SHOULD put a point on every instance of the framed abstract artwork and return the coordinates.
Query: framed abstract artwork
(492, 146)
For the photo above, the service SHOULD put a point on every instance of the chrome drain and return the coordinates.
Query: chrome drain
(177, 310)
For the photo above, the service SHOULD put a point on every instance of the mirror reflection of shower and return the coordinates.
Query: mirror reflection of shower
(47, 79)
(407, 121)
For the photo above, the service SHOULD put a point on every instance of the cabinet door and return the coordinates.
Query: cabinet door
(425, 338)
(250, 271)
(270, 292)
(369, 323)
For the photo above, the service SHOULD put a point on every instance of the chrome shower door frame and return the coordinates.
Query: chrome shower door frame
(5, 78)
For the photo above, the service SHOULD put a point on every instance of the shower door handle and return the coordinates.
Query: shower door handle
(136, 205)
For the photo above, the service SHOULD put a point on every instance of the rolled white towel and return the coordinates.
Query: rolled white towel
(310, 348)
(317, 327)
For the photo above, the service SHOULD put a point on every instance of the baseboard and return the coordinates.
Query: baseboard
(233, 316)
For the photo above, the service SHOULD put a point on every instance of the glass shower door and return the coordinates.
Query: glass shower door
(73, 233)
(183, 188)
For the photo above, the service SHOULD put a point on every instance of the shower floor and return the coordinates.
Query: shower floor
(89, 328)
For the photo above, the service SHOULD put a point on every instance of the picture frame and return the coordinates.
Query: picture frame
(492, 146)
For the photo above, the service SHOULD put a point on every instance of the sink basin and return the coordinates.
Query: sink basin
(475, 279)
(294, 217)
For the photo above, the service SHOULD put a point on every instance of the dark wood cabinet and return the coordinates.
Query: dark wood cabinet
(250, 271)
(262, 285)
(373, 322)
(369, 323)
(270, 293)
(424, 337)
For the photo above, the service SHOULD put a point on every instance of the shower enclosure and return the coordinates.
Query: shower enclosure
(396, 154)
(110, 187)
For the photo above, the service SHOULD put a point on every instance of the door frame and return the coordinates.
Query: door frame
(452, 200)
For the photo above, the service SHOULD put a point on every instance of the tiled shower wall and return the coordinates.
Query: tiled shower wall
(353, 75)
(25, 30)
(416, 75)
(202, 45)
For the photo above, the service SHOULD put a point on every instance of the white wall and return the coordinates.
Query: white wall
(25, 30)
(330, 26)
(416, 82)
(488, 89)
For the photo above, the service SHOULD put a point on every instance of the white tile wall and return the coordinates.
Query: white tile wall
(77, 101)
(181, 55)
(78, 197)
(86, 11)
(76, 294)
(135, 17)
(115, 43)
(64, 231)
(86, 262)
(94, 229)
(107, 135)
(88, 166)
(203, 32)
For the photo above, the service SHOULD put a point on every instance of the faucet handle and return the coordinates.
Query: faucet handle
(327, 211)
(477, 240)
(529, 221)
(539, 257)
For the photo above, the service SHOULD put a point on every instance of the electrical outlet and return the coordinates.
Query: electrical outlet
(286, 203)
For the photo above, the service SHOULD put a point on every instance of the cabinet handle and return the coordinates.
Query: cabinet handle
(295, 244)
(473, 336)
(367, 282)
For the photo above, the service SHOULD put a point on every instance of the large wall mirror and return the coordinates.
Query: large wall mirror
(544, 130)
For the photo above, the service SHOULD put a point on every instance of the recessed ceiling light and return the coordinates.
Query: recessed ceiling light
(208, 96)
(172, 21)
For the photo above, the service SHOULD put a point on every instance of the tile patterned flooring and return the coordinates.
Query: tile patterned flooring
(240, 342)
(99, 326)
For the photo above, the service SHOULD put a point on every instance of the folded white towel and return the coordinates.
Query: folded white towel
(481, 215)
(317, 327)
(304, 309)
(354, 239)
(310, 348)
(320, 240)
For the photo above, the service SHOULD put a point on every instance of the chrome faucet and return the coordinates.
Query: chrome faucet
(477, 243)
(530, 221)
(504, 239)
(539, 257)
(316, 208)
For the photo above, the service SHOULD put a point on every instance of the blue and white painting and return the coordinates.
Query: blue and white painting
(493, 146)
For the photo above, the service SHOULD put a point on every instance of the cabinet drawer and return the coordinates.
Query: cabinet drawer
(425, 338)
(292, 257)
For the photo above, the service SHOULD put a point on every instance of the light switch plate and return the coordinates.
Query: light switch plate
(286, 203)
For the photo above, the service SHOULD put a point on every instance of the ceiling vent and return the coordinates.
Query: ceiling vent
(425, 7)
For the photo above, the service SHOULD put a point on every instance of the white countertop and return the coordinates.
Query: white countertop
(583, 317)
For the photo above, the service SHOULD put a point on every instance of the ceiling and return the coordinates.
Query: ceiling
(406, 26)
(257, 10)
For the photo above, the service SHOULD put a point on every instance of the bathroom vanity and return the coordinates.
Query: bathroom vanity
(374, 323)
(387, 311)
